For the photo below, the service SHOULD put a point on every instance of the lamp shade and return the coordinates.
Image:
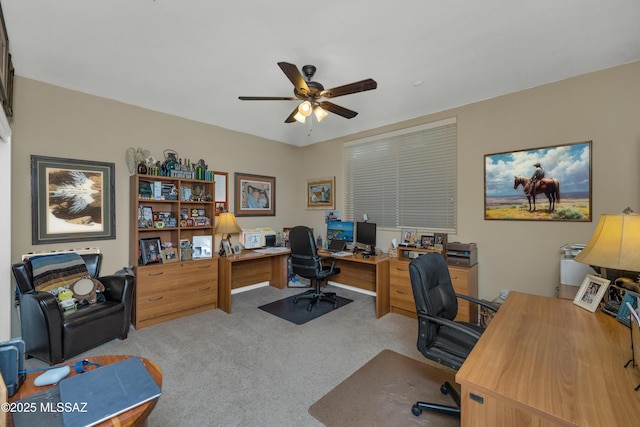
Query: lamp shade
(227, 224)
(615, 243)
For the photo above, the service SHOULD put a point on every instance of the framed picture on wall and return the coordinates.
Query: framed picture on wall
(320, 193)
(255, 195)
(71, 200)
(560, 170)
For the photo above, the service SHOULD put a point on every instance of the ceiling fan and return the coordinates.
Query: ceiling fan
(311, 94)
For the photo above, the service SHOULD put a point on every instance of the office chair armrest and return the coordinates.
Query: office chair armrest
(328, 258)
(455, 325)
(477, 301)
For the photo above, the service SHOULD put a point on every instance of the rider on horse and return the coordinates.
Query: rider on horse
(538, 175)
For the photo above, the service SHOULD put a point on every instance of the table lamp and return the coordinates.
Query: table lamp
(227, 225)
(615, 243)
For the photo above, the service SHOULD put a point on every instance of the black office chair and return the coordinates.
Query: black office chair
(306, 263)
(440, 338)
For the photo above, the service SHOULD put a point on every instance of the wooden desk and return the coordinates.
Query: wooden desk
(249, 268)
(370, 274)
(545, 362)
(133, 417)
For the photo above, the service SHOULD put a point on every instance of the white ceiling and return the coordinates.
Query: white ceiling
(193, 58)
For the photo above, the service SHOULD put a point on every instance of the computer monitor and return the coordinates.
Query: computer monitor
(340, 230)
(366, 235)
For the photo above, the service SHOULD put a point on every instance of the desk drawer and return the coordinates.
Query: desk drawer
(401, 296)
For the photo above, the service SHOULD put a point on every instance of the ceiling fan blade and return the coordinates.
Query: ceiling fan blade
(266, 98)
(336, 109)
(293, 74)
(361, 86)
(290, 119)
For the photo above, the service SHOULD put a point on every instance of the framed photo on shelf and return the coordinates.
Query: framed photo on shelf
(591, 292)
(71, 200)
(150, 250)
(202, 247)
(409, 235)
(320, 193)
(426, 241)
(170, 255)
(440, 241)
(255, 195)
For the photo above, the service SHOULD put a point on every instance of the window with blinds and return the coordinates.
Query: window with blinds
(404, 179)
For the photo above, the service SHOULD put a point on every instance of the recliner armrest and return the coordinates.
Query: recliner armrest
(118, 287)
(450, 323)
(477, 301)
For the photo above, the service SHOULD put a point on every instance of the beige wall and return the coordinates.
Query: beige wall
(515, 255)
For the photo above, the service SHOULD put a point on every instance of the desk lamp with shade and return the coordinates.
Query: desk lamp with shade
(226, 225)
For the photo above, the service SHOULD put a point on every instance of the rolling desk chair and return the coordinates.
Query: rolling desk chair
(440, 338)
(306, 263)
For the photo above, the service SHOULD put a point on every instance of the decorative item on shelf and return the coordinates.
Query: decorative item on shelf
(227, 225)
(136, 159)
(200, 168)
(170, 161)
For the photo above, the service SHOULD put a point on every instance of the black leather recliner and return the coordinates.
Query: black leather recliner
(440, 337)
(53, 336)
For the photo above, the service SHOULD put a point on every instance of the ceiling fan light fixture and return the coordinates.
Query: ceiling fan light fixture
(305, 108)
(299, 117)
(320, 113)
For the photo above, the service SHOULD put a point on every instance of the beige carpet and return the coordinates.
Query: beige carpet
(382, 392)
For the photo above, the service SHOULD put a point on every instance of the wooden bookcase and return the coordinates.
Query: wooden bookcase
(464, 280)
(178, 287)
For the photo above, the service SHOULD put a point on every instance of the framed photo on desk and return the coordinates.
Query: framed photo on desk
(591, 292)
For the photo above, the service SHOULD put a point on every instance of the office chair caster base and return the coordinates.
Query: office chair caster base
(453, 411)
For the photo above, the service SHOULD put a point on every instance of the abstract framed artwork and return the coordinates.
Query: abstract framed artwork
(561, 190)
(320, 193)
(71, 200)
(255, 195)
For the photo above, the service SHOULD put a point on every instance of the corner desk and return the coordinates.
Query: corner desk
(248, 268)
(369, 274)
(546, 362)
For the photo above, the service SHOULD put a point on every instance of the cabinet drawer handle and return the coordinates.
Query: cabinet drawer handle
(155, 299)
(402, 269)
(402, 293)
(205, 266)
(454, 277)
(205, 289)
(156, 274)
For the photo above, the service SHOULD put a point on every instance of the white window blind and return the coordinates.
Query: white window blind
(405, 178)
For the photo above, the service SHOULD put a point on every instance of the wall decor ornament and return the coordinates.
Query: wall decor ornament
(320, 193)
(255, 195)
(562, 189)
(71, 200)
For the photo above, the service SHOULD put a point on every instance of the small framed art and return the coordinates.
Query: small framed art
(320, 193)
(591, 292)
(150, 250)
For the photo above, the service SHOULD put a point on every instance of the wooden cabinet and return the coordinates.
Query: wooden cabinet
(464, 280)
(171, 209)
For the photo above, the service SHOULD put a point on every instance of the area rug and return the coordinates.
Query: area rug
(382, 392)
(297, 313)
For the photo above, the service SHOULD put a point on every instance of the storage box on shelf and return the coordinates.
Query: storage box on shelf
(171, 209)
(464, 280)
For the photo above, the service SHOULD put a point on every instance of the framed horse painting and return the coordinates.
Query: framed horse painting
(539, 184)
